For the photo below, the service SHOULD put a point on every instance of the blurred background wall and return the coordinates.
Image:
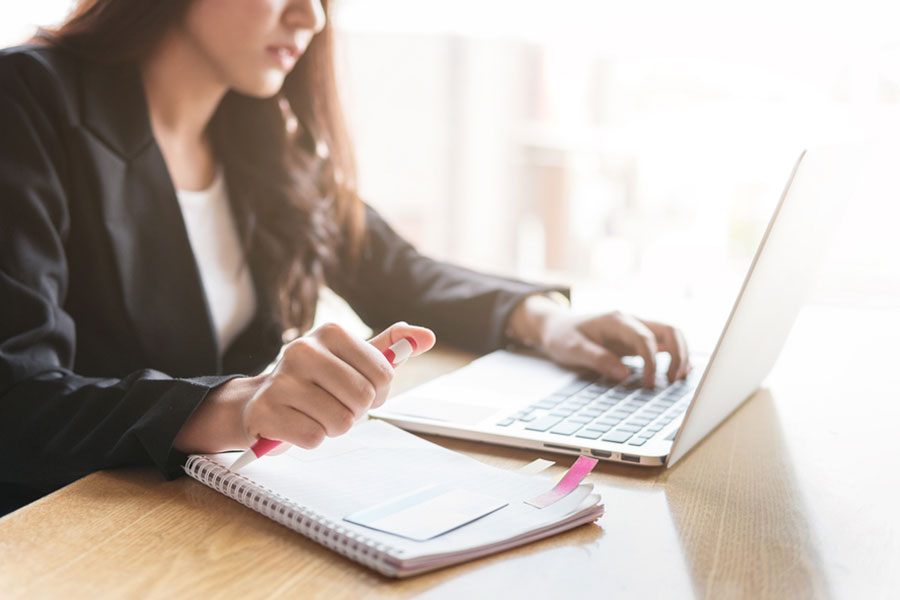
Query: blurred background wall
(633, 149)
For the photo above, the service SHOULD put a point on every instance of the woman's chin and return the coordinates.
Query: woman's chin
(264, 87)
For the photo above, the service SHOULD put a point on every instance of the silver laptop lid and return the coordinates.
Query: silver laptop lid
(773, 290)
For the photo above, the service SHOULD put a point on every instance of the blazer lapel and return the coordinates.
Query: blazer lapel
(161, 285)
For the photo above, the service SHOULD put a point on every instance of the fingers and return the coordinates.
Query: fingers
(324, 382)
(424, 338)
(270, 414)
(588, 354)
(361, 376)
(642, 342)
(291, 406)
(672, 340)
(626, 335)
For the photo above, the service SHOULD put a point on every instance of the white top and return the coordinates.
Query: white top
(217, 249)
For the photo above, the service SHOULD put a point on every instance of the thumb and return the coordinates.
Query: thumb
(422, 338)
(587, 353)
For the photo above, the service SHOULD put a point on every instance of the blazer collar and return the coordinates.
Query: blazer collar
(114, 107)
(161, 285)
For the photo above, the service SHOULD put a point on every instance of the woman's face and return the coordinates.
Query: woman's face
(251, 45)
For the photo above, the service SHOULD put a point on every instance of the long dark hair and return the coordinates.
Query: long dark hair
(288, 160)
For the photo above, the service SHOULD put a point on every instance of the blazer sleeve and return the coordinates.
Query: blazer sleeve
(394, 282)
(55, 425)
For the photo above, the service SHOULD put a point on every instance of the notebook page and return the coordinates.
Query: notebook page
(376, 462)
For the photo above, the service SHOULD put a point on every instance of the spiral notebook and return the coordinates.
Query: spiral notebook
(396, 503)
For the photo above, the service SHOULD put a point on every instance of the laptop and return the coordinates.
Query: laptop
(524, 400)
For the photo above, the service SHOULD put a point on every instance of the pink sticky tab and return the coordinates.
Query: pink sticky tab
(573, 477)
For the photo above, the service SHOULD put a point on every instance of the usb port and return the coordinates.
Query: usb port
(631, 458)
(601, 453)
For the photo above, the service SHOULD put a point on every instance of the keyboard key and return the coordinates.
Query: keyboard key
(581, 419)
(589, 434)
(598, 427)
(600, 388)
(544, 423)
(631, 428)
(574, 386)
(617, 436)
(655, 427)
(567, 428)
(568, 404)
(608, 421)
(639, 420)
(638, 441)
(528, 418)
(619, 413)
(506, 422)
(573, 402)
(545, 404)
(559, 412)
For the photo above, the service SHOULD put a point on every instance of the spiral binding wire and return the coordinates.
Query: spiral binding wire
(375, 555)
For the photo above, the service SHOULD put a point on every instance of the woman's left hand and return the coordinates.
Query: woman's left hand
(599, 342)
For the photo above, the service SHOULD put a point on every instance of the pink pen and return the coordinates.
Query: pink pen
(396, 354)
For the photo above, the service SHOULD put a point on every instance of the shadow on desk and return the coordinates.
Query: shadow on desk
(737, 509)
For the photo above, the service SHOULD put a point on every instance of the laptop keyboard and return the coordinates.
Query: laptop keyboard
(598, 408)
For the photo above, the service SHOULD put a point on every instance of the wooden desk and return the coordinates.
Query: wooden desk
(794, 496)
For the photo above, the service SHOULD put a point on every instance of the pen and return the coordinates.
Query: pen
(396, 354)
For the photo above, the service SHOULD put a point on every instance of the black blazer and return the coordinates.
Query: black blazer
(106, 342)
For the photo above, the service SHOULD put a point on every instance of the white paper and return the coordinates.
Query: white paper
(427, 512)
(376, 462)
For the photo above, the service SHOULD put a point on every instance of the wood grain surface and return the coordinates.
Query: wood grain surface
(794, 496)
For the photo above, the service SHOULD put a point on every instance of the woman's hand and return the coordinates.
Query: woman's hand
(598, 342)
(323, 383)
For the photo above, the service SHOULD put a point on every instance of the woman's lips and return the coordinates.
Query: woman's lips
(284, 55)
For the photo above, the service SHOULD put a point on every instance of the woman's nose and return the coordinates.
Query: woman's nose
(305, 14)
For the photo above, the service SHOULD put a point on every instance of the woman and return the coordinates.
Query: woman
(175, 186)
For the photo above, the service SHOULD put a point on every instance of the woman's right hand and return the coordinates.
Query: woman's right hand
(323, 383)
